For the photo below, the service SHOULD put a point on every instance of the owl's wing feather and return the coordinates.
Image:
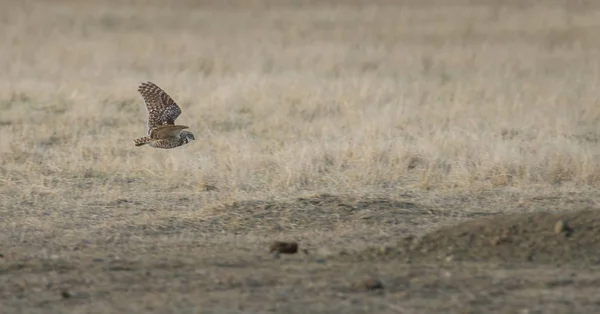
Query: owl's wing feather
(166, 131)
(162, 109)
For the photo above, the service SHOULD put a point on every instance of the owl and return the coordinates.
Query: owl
(162, 112)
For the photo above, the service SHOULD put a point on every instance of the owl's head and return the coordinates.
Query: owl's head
(187, 136)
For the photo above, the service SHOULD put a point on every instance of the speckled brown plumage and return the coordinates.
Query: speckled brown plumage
(162, 113)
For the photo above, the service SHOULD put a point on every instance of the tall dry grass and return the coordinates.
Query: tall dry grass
(285, 98)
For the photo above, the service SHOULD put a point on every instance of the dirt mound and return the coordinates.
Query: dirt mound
(544, 237)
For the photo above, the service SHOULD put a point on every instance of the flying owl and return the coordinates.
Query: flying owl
(162, 112)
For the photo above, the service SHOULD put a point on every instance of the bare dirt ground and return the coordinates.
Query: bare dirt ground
(427, 157)
(361, 255)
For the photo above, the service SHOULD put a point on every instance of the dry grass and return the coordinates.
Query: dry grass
(292, 99)
(385, 98)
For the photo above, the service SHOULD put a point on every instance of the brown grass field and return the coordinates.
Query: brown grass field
(420, 152)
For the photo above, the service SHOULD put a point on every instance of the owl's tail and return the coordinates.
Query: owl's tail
(142, 141)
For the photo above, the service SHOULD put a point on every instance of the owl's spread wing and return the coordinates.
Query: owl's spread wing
(166, 131)
(162, 109)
